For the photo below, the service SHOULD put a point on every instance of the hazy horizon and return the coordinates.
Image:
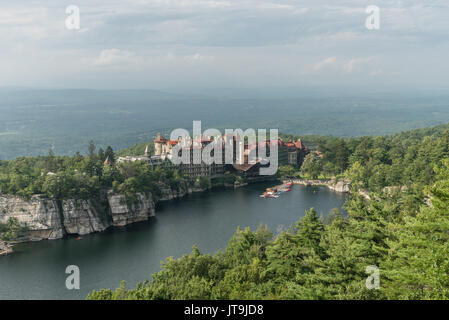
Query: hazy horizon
(131, 68)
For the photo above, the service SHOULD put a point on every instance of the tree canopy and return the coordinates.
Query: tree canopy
(401, 229)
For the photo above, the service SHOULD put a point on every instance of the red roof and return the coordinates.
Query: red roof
(160, 139)
(172, 142)
(299, 144)
(279, 142)
(107, 161)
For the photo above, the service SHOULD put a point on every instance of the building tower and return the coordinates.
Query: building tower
(159, 145)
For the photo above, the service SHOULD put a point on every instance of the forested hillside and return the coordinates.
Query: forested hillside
(403, 230)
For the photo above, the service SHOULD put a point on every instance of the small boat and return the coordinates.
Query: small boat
(79, 238)
(269, 194)
(275, 191)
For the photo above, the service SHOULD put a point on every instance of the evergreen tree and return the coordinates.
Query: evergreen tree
(417, 266)
(91, 150)
(101, 154)
(109, 154)
(311, 166)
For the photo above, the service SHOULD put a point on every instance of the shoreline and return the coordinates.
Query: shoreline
(5, 248)
(72, 222)
(341, 186)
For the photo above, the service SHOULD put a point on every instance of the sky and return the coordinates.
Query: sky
(181, 44)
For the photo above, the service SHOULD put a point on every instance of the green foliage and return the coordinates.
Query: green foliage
(287, 172)
(394, 229)
(402, 228)
(417, 265)
(81, 177)
(311, 167)
(11, 230)
(137, 149)
(229, 178)
(373, 163)
(204, 182)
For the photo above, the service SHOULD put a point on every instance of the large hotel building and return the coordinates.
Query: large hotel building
(290, 152)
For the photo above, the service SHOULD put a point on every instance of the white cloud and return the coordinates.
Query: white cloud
(184, 3)
(271, 6)
(352, 64)
(259, 41)
(115, 57)
(340, 64)
(24, 23)
(376, 73)
(324, 63)
(198, 58)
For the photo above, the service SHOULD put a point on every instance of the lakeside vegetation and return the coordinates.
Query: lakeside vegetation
(403, 230)
(78, 177)
(11, 230)
(81, 177)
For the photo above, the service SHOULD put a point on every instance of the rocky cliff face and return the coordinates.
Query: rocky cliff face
(41, 216)
(168, 193)
(84, 216)
(53, 219)
(340, 186)
(125, 212)
(337, 186)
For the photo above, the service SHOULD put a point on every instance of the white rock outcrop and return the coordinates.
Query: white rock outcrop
(337, 186)
(53, 219)
(124, 212)
(83, 217)
(40, 215)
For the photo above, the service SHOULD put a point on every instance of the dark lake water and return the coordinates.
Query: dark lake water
(37, 270)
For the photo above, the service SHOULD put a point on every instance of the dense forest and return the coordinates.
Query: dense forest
(402, 229)
(82, 177)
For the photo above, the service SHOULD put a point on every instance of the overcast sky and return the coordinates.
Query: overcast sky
(170, 44)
